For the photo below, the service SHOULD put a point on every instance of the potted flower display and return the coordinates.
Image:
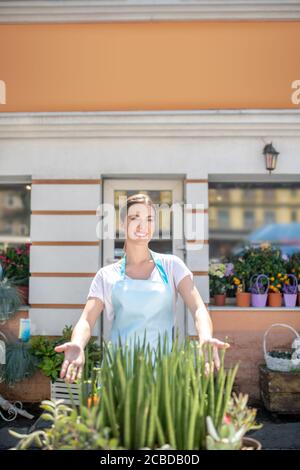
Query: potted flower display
(259, 290)
(275, 295)
(220, 280)
(290, 291)
(15, 262)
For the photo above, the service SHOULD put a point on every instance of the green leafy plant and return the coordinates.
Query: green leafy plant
(151, 404)
(50, 362)
(264, 259)
(15, 263)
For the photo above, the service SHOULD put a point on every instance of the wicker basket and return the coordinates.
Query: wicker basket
(281, 364)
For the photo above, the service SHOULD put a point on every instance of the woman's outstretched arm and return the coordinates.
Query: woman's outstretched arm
(203, 323)
(74, 350)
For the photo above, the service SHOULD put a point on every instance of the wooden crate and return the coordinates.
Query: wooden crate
(61, 391)
(280, 391)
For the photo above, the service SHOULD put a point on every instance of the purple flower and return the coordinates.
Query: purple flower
(229, 269)
(289, 289)
(285, 257)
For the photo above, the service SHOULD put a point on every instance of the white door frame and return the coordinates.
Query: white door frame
(177, 188)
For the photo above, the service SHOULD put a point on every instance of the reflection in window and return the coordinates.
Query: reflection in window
(223, 219)
(252, 213)
(14, 214)
(249, 220)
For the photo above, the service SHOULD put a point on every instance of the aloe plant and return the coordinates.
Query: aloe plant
(151, 404)
(144, 404)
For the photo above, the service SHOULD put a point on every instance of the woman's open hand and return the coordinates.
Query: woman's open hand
(73, 363)
(216, 345)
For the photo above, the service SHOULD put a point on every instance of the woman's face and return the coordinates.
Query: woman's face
(140, 223)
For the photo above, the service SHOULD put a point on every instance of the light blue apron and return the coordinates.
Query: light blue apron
(142, 307)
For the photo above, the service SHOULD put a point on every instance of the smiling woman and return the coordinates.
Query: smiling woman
(138, 294)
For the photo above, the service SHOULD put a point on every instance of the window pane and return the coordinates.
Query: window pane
(14, 214)
(252, 213)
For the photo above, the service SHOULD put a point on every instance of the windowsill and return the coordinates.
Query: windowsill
(265, 309)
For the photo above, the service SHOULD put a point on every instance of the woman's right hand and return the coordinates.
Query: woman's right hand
(73, 363)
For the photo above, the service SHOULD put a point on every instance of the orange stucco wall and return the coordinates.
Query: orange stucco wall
(149, 66)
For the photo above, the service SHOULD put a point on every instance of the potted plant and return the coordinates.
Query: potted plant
(243, 298)
(15, 262)
(20, 362)
(290, 291)
(264, 259)
(146, 405)
(275, 286)
(259, 290)
(220, 280)
(10, 299)
(239, 420)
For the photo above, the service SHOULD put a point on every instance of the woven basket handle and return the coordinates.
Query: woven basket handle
(277, 324)
(295, 282)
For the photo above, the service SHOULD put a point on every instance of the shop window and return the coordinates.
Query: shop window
(253, 213)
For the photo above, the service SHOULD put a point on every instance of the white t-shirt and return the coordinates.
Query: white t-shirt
(107, 276)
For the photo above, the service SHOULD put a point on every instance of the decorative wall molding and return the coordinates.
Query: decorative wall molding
(80, 11)
(176, 124)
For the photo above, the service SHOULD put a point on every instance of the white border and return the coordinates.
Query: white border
(177, 124)
(79, 11)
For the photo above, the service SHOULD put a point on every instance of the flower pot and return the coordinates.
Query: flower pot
(249, 443)
(290, 300)
(259, 290)
(259, 300)
(220, 299)
(23, 291)
(275, 299)
(243, 299)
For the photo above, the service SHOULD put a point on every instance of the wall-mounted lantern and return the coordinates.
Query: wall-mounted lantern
(270, 157)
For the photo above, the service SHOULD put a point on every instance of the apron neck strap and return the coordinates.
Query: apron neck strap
(157, 264)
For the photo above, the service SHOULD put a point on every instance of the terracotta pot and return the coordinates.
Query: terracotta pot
(274, 299)
(24, 291)
(299, 299)
(243, 299)
(220, 299)
(249, 442)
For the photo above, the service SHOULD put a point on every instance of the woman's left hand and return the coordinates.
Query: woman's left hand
(216, 345)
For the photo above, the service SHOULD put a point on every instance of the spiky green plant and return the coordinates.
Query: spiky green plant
(10, 299)
(20, 362)
(150, 403)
